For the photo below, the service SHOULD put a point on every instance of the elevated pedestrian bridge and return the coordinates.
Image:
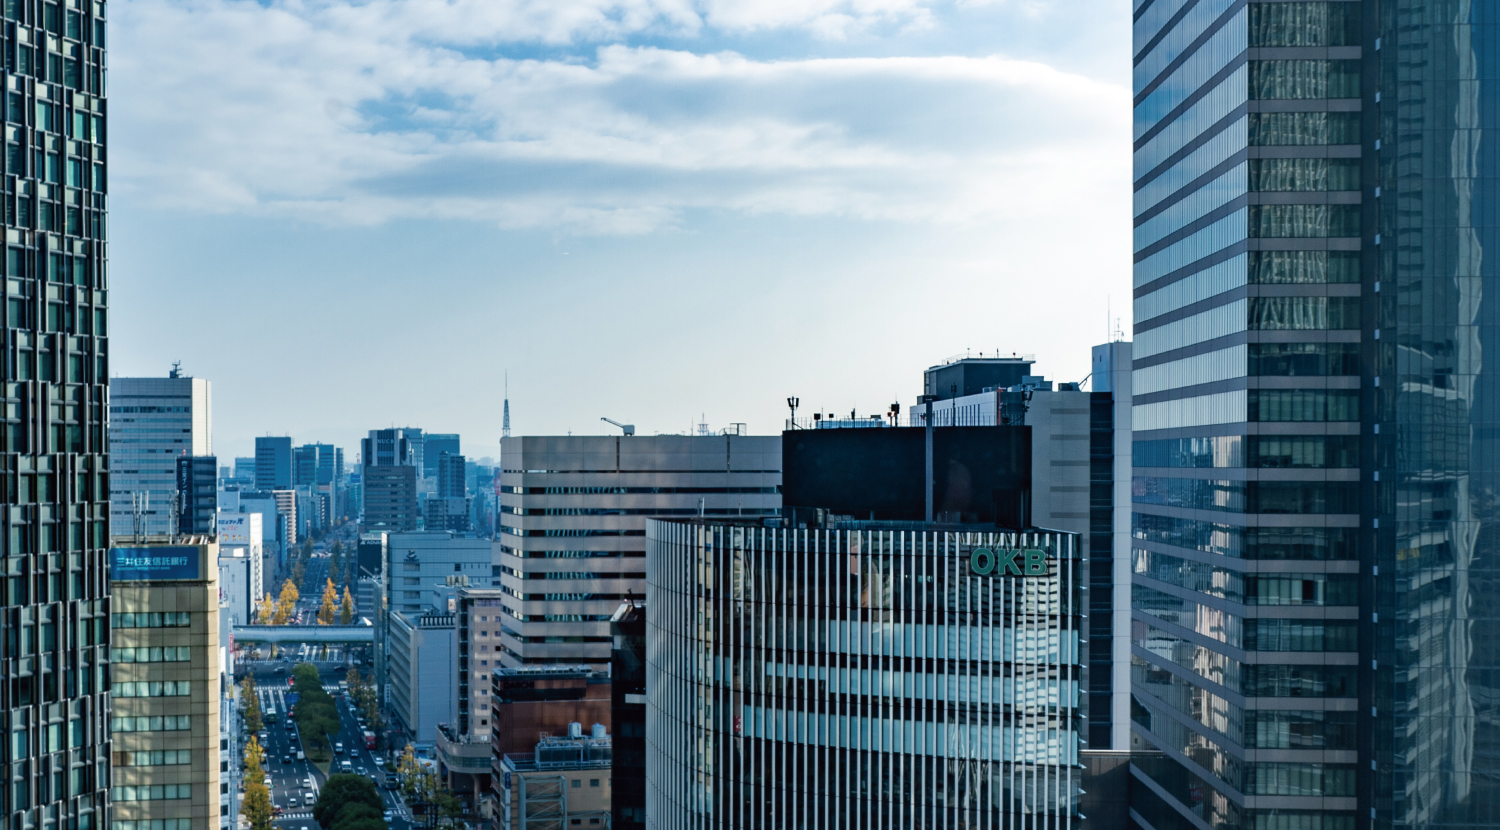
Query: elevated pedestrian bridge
(304, 634)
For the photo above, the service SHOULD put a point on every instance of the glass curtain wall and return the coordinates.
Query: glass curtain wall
(1251, 315)
(1436, 666)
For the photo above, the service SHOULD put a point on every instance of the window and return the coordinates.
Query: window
(1303, 267)
(1303, 313)
(1303, 405)
(163, 792)
(171, 619)
(168, 654)
(593, 782)
(154, 758)
(1304, 174)
(1292, 451)
(1304, 24)
(170, 723)
(1279, 129)
(152, 688)
(1304, 359)
(1302, 79)
(1303, 221)
(577, 782)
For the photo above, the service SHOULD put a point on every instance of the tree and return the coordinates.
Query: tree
(346, 612)
(330, 598)
(252, 705)
(315, 713)
(256, 804)
(286, 606)
(340, 794)
(264, 613)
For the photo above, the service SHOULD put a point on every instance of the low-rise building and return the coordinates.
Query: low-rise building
(563, 782)
(166, 688)
(420, 674)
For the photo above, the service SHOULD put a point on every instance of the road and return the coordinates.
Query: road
(295, 784)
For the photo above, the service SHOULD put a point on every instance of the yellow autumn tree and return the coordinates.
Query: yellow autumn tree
(346, 611)
(266, 611)
(286, 605)
(330, 603)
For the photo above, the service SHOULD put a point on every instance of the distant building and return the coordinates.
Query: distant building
(426, 570)
(286, 506)
(273, 463)
(573, 513)
(197, 493)
(435, 446)
(240, 535)
(463, 747)
(369, 553)
(240, 588)
(389, 480)
(165, 693)
(152, 421)
(565, 779)
(628, 715)
(420, 680)
(244, 471)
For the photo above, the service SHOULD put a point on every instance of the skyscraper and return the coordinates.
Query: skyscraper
(1314, 428)
(273, 463)
(53, 679)
(389, 480)
(152, 422)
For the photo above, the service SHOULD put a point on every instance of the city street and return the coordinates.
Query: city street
(295, 783)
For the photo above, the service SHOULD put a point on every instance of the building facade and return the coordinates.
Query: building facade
(627, 674)
(390, 498)
(426, 571)
(1108, 549)
(1311, 289)
(197, 494)
(57, 511)
(882, 675)
(573, 513)
(152, 421)
(273, 462)
(165, 685)
(563, 782)
(420, 679)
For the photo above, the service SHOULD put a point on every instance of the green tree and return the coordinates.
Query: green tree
(343, 792)
(346, 610)
(252, 705)
(256, 804)
(315, 713)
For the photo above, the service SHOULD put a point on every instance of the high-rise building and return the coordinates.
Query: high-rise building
(197, 493)
(573, 537)
(1314, 644)
(273, 463)
(152, 421)
(450, 475)
(1108, 550)
(286, 507)
(627, 674)
(421, 681)
(391, 468)
(861, 674)
(165, 686)
(434, 446)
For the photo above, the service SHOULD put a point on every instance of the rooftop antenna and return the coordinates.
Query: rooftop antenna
(176, 369)
(505, 421)
(629, 428)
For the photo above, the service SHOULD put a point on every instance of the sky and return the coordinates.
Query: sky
(355, 215)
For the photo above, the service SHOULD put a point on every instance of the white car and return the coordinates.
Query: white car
(379, 761)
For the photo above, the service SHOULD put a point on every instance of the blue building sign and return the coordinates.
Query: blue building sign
(152, 563)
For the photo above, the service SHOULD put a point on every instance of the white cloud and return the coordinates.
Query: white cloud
(379, 111)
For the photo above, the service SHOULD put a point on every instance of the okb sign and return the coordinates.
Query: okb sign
(1008, 562)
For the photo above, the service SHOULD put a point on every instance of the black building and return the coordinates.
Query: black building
(979, 474)
(55, 604)
(197, 493)
(628, 714)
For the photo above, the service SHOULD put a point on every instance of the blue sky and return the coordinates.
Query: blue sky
(353, 215)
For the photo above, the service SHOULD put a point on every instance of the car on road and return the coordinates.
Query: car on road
(379, 761)
(307, 801)
(286, 759)
(388, 815)
(346, 766)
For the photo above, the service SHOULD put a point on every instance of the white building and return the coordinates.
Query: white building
(241, 564)
(152, 421)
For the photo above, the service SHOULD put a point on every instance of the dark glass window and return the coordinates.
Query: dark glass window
(1278, 729)
(1303, 221)
(1303, 313)
(1303, 405)
(1303, 267)
(1301, 497)
(1304, 174)
(1290, 451)
(1303, 359)
(1299, 681)
(1304, 24)
(1304, 78)
(1300, 635)
(1279, 129)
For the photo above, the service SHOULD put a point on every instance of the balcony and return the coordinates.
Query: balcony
(463, 753)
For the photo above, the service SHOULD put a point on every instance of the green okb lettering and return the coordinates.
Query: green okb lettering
(1008, 562)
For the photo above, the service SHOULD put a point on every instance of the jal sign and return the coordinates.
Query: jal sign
(1008, 562)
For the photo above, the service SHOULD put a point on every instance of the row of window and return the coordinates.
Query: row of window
(154, 758)
(154, 792)
(165, 654)
(1255, 451)
(1252, 680)
(154, 723)
(1272, 543)
(1248, 589)
(1248, 496)
(153, 619)
(152, 688)
(153, 824)
(1303, 79)
(1255, 634)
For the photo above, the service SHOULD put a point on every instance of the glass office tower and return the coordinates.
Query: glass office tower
(1315, 637)
(54, 487)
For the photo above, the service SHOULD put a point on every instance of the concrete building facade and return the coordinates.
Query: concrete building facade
(421, 681)
(166, 690)
(573, 512)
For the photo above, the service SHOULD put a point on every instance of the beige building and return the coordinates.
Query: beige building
(565, 783)
(165, 695)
